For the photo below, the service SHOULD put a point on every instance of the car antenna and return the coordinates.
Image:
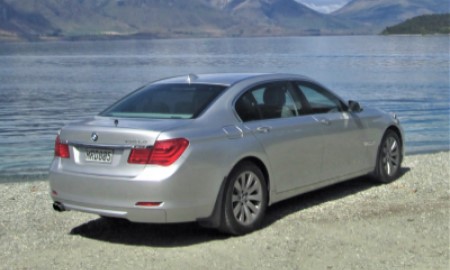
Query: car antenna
(191, 77)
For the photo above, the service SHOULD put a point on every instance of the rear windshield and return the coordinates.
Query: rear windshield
(161, 101)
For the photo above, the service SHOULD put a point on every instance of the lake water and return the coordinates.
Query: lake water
(46, 85)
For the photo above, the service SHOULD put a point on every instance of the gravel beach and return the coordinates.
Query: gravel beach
(353, 225)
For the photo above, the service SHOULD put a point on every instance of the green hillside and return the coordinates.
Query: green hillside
(423, 25)
(378, 14)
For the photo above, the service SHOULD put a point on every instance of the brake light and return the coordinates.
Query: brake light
(139, 155)
(167, 152)
(163, 153)
(61, 149)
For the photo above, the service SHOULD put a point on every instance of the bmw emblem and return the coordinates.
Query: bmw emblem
(94, 137)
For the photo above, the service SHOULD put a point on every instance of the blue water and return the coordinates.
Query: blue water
(46, 85)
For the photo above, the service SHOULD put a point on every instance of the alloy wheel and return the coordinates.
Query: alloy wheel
(247, 198)
(391, 156)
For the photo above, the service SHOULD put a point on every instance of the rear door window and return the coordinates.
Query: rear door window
(268, 101)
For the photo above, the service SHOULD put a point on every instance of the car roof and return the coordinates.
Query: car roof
(226, 79)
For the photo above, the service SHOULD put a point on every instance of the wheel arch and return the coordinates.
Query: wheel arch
(399, 133)
(392, 128)
(396, 130)
(377, 175)
(261, 165)
(214, 220)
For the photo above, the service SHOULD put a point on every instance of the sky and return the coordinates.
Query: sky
(324, 6)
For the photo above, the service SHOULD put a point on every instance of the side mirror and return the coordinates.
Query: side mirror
(353, 106)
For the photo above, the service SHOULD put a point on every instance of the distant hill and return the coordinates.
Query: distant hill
(425, 24)
(376, 15)
(280, 17)
(16, 24)
(73, 19)
(94, 19)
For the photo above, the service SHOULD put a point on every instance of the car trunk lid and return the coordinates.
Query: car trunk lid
(102, 145)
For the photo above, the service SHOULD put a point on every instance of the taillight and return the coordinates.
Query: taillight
(61, 149)
(163, 153)
(139, 155)
(167, 152)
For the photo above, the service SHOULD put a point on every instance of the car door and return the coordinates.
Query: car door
(292, 140)
(344, 135)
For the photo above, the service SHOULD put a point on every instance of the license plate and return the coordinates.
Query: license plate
(99, 155)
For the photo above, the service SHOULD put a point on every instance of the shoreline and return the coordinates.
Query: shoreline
(150, 36)
(43, 175)
(144, 36)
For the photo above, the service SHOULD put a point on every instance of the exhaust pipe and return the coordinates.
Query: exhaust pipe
(59, 207)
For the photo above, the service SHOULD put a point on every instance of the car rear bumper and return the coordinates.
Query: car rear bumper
(132, 214)
(185, 196)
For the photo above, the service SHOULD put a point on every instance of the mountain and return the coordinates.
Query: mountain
(375, 15)
(423, 25)
(21, 25)
(127, 17)
(80, 19)
(174, 18)
(279, 17)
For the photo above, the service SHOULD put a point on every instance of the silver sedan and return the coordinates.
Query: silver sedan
(219, 149)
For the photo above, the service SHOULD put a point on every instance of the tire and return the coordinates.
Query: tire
(389, 158)
(245, 200)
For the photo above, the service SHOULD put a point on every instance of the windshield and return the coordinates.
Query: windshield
(160, 101)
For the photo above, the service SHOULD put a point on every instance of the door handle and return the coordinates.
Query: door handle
(325, 122)
(263, 129)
